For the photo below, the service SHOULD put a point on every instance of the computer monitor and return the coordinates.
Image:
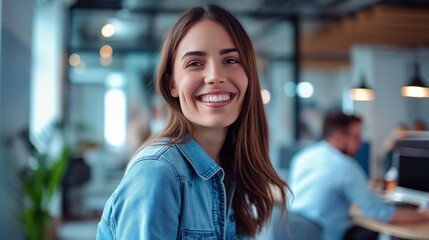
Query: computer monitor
(413, 168)
(411, 158)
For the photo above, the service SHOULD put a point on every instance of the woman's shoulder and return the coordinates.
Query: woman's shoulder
(153, 150)
(161, 151)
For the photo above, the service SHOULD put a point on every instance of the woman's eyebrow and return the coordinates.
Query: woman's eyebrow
(202, 53)
(194, 53)
(228, 50)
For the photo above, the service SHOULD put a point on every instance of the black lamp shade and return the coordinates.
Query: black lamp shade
(416, 87)
(362, 92)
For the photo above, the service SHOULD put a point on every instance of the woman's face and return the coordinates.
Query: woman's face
(208, 77)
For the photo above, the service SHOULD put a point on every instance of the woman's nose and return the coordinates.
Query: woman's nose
(214, 74)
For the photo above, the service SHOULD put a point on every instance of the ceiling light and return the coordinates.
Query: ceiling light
(416, 87)
(106, 51)
(305, 89)
(108, 30)
(74, 59)
(362, 92)
(266, 96)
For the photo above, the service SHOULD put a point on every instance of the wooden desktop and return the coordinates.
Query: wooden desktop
(415, 231)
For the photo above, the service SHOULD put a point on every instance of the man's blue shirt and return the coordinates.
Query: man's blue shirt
(325, 182)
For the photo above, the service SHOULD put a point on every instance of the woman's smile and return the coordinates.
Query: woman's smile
(216, 99)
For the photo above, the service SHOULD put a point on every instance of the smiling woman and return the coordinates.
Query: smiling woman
(207, 174)
(208, 78)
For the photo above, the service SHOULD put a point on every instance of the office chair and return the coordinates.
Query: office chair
(293, 226)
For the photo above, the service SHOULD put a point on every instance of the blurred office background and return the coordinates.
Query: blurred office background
(89, 63)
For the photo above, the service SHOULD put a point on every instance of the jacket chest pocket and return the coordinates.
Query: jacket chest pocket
(198, 235)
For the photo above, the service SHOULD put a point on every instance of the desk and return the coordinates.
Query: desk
(415, 231)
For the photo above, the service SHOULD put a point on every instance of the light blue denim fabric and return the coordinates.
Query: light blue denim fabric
(169, 192)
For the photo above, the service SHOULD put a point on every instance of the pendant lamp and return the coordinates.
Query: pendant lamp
(415, 87)
(362, 92)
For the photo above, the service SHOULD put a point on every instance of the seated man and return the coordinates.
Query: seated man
(326, 180)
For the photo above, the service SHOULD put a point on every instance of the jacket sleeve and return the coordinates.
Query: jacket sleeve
(147, 203)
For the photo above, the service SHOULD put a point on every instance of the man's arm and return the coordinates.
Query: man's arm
(409, 215)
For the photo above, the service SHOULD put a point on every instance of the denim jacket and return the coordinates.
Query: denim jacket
(169, 192)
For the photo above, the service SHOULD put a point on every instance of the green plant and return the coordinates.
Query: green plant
(40, 179)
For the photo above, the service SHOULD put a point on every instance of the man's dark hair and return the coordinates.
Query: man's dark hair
(338, 121)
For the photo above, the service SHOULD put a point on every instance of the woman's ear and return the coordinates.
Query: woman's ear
(172, 85)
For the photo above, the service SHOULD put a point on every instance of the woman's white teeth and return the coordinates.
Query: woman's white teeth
(216, 98)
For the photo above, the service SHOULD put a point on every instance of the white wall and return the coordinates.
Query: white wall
(15, 65)
(423, 112)
(388, 69)
(328, 86)
(48, 65)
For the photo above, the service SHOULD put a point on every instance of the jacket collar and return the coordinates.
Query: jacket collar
(203, 164)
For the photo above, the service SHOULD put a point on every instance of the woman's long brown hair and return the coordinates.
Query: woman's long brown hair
(244, 154)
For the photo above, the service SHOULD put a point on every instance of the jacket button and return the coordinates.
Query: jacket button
(232, 218)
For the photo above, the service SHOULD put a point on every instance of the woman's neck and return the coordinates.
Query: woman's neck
(211, 140)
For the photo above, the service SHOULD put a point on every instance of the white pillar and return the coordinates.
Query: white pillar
(48, 66)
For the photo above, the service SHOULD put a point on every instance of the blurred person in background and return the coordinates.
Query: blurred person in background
(325, 181)
(399, 132)
(207, 175)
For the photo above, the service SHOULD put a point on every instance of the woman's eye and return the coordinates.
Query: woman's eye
(194, 64)
(231, 61)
